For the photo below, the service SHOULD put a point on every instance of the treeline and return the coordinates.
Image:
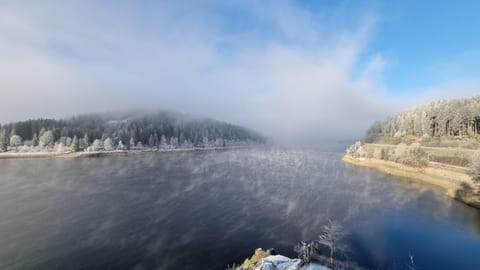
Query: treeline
(454, 117)
(122, 131)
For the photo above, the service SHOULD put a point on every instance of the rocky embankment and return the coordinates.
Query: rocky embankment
(415, 162)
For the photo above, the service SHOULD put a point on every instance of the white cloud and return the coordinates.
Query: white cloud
(279, 68)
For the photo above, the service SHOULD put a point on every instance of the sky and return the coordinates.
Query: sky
(297, 71)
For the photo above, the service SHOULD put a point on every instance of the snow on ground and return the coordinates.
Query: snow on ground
(314, 266)
(274, 262)
(279, 262)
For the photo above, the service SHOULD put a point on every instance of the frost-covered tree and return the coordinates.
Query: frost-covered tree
(356, 150)
(97, 145)
(151, 141)
(85, 141)
(68, 141)
(156, 140)
(163, 142)
(303, 250)
(454, 117)
(205, 140)
(173, 142)
(144, 128)
(35, 140)
(74, 145)
(218, 142)
(59, 147)
(3, 141)
(15, 141)
(332, 237)
(47, 139)
(121, 146)
(475, 166)
(108, 144)
(132, 143)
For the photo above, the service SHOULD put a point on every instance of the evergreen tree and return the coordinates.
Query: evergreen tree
(74, 146)
(108, 144)
(3, 141)
(163, 142)
(85, 141)
(96, 145)
(132, 143)
(47, 139)
(156, 140)
(35, 140)
(15, 141)
(151, 141)
(174, 130)
(120, 146)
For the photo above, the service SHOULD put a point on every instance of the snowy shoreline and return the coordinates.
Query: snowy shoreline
(84, 154)
(455, 182)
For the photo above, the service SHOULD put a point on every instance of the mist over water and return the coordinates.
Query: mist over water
(207, 209)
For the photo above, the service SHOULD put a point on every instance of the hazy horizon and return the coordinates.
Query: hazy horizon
(296, 71)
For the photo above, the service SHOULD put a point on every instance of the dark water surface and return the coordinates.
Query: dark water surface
(204, 210)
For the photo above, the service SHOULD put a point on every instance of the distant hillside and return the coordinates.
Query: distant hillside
(123, 131)
(444, 118)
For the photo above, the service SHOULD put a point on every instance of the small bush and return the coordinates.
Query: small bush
(385, 154)
(356, 150)
(416, 156)
(475, 166)
(412, 155)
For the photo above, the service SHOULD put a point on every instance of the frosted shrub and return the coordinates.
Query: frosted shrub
(121, 146)
(16, 141)
(401, 152)
(25, 149)
(475, 166)
(377, 153)
(412, 155)
(59, 147)
(96, 146)
(46, 140)
(416, 156)
(356, 150)
(108, 144)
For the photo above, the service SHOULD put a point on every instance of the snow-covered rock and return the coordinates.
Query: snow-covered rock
(278, 262)
(264, 260)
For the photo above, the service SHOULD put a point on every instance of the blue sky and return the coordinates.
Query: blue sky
(286, 68)
(428, 42)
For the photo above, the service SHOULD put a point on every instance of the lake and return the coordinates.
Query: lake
(207, 209)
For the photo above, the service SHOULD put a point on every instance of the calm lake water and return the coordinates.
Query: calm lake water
(207, 209)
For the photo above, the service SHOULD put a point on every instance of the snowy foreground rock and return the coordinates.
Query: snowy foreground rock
(264, 260)
(278, 262)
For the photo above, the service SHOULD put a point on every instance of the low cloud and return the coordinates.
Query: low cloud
(272, 66)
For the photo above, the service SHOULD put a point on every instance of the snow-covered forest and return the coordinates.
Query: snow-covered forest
(454, 117)
(122, 131)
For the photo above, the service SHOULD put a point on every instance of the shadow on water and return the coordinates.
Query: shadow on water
(204, 210)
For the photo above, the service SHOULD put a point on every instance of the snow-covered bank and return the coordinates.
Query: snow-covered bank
(456, 183)
(70, 154)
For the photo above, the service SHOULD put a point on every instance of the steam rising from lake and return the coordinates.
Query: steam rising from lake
(207, 209)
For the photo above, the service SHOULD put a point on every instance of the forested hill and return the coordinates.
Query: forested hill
(452, 118)
(131, 130)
